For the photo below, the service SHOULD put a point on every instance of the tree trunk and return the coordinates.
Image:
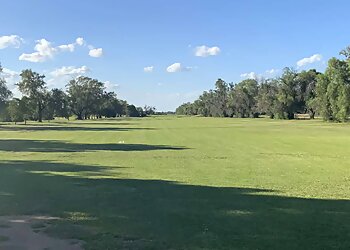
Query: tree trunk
(312, 115)
(40, 112)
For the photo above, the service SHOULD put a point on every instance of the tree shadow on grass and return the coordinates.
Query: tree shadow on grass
(101, 123)
(17, 145)
(47, 127)
(157, 214)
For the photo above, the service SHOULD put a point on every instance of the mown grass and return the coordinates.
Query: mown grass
(182, 183)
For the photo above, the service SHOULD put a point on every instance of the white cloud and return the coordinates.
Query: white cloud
(204, 51)
(10, 41)
(148, 69)
(251, 75)
(11, 77)
(177, 67)
(272, 71)
(80, 41)
(70, 71)
(267, 74)
(309, 60)
(96, 52)
(9, 74)
(111, 86)
(45, 50)
(67, 47)
(60, 76)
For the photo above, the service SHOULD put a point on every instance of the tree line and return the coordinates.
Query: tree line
(84, 97)
(307, 92)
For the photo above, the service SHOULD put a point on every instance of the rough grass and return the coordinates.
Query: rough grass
(182, 183)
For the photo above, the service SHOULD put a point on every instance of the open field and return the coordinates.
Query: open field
(182, 183)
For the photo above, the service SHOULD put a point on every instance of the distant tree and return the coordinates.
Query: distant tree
(321, 102)
(141, 111)
(337, 80)
(306, 92)
(28, 108)
(33, 85)
(85, 96)
(15, 110)
(58, 103)
(188, 109)
(149, 110)
(111, 106)
(5, 93)
(243, 96)
(205, 103)
(220, 100)
(121, 107)
(288, 94)
(132, 111)
(267, 102)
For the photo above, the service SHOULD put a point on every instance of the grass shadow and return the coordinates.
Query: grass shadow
(157, 214)
(48, 127)
(17, 145)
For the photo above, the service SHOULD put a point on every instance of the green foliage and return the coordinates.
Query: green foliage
(87, 98)
(332, 91)
(110, 105)
(187, 109)
(149, 110)
(5, 93)
(33, 86)
(278, 98)
(57, 104)
(15, 110)
(85, 95)
(267, 102)
(132, 111)
(243, 98)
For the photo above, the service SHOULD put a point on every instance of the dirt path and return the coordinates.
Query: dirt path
(23, 233)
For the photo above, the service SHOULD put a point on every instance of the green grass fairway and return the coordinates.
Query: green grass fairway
(182, 183)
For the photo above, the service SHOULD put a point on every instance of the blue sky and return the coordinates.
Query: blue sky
(241, 38)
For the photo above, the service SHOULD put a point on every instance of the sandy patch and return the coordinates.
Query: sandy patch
(25, 233)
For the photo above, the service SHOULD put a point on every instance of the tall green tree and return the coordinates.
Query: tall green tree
(149, 110)
(288, 93)
(33, 85)
(306, 92)
(5, 93)
(244, 98)
(14, 111)
(111, 106)
(85, 96)
(58, 103)
(220, 100)
(267, 102)
(206, 104)
(132, 111)
(338, 89)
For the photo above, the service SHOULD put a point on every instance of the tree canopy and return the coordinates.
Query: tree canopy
(306, 92)
(84, 97)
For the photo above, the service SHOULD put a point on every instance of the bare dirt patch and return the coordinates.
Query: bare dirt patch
(26, 233)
